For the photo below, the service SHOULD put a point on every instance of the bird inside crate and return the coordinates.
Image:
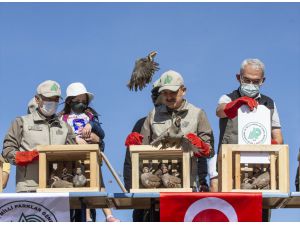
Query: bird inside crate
(255, 176)
(160, 174)
(68, 174)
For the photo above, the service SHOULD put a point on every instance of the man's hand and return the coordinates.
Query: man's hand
(26, 157)
(231, 108)
(134, 138)
(204, 148)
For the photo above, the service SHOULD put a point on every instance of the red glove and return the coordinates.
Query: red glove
(204, 149)
(232, 107)
(134, 138)
(274, 142)
(24, 158)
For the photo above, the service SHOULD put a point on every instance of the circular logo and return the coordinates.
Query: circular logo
(254, 133)
(26, 211)
(210, 203)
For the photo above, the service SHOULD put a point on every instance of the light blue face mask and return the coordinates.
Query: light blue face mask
(250, 90)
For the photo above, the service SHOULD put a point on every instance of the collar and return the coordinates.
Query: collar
(38, 117)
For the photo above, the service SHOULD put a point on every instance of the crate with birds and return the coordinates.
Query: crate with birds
(254, 168)
(69, 168)
(159, 170)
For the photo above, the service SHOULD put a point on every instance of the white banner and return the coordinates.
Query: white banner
(34, 207)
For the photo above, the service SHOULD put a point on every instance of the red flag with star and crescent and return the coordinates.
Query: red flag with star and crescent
(211, 207)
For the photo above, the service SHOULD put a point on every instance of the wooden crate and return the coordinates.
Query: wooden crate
(231, 170)
(141, 154)
(69, 155)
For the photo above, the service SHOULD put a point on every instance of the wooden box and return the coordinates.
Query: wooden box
(145, 154)
(233, 168)
(68, 156)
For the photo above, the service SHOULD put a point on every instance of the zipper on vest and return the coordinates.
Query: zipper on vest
(49, 134)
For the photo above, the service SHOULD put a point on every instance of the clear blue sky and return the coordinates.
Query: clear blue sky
(97, 44)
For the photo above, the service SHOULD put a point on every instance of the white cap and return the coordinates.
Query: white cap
(75, 89)
(49, 88)
(170, 80)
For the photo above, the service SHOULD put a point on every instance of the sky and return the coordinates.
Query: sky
(98, 43)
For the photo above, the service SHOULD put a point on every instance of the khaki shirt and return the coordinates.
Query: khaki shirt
(25, 134)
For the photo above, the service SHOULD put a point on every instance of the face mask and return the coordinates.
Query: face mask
(250, 90)
(78, 107)
(49, 108)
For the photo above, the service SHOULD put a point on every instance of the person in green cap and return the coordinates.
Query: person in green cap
(40, 127)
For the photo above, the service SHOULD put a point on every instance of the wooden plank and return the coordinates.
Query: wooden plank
(273, 170)
(54, 148)
(135, 170)
(186, 167)
(94, 168)
(79, 189)
(255, 190)
(226, 169)
(237, 177)
(161, 190)
(256, 148)
(283, 170)
(43, 170)
(133, 148)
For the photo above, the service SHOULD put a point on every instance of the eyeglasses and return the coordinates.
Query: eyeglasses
(246, 80)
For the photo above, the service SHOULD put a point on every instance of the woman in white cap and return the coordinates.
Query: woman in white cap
(85, 124)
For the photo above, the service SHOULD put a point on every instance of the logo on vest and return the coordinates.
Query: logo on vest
(254, 133)
(26, 211)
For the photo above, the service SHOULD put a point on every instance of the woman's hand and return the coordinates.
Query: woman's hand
(93, 139)
(80, 141)
(86, 131)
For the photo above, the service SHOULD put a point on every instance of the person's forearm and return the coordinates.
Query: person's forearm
(220, 111)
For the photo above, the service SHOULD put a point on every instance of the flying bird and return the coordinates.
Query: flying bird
(143, 71)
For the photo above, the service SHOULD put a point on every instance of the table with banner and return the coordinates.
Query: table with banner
(49, 207)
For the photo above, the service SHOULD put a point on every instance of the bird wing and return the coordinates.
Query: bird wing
(142, 73)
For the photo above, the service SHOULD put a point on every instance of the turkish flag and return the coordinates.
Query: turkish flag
(211, 207)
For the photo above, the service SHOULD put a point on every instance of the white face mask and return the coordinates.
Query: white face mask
(250, 90)
(49, 108)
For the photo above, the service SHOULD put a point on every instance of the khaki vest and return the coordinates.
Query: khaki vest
(37, 131)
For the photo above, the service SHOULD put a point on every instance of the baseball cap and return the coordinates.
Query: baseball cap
(170, 80)
(49, 88)
(78, 88)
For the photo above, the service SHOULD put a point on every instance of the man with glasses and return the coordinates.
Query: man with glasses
(40, 127)
(192, 121)
(250, 78)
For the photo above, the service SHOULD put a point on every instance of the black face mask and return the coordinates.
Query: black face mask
(78, 107)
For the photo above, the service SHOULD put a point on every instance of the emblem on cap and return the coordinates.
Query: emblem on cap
(54, 87)
(168, 79)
